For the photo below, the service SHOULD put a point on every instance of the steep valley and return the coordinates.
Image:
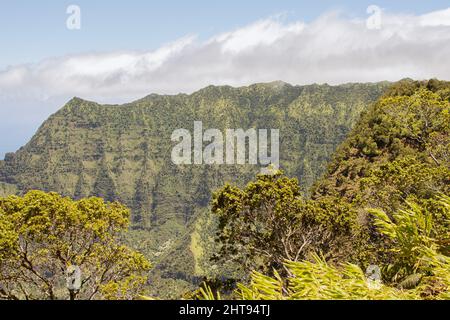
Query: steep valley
(123, 153)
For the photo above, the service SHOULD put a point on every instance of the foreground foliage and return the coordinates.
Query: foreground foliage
(269, 221)
(422, 261)
(44, 236)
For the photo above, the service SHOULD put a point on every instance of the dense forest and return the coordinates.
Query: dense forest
(359, 210)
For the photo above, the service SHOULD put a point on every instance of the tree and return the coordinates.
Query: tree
(422, 262)
(269, 221)
(45, 237)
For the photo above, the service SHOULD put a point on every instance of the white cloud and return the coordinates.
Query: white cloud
(331, 49)
(261, 33)
(437, 18)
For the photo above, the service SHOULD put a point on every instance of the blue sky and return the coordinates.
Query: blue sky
(128, 49)
(33, 30)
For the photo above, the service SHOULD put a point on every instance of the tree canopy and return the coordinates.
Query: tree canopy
(269, 221)
(45, 236)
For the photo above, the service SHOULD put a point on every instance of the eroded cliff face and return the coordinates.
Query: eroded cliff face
(123, 152)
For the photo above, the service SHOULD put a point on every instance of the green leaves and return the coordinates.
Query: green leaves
(262, 288)
(43, 234)
(399, 148)
(205, 293)
(317, 280)
(8, 238)
(269, 221)
(420, 270)
(416, 241)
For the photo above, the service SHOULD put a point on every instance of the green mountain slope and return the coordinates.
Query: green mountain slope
(399, 152)
(123, 152)
(400, 148)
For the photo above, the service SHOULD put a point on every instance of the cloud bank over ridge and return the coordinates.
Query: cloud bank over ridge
(331, 49)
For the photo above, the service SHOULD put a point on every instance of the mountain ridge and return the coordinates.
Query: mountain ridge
(122, 152)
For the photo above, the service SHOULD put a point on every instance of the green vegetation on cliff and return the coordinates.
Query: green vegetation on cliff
(122, 152)
(308, 233)
(383, 204)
